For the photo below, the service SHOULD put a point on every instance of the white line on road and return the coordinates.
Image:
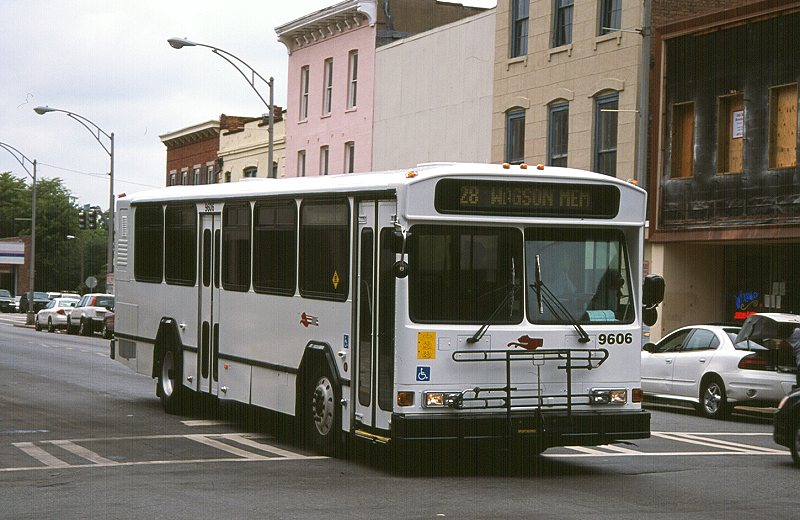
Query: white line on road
(39, 454)
(82, 452)
(202, 439)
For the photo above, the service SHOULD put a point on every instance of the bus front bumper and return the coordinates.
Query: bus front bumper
(545, 429)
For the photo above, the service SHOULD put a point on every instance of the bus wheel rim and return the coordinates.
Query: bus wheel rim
(322, 405)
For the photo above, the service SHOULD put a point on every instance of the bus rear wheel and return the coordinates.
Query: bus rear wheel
(170, 385)
(319, 413)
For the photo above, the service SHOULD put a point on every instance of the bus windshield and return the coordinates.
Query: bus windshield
(585, 270)
(465, 274)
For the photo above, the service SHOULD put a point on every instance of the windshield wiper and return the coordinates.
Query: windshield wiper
(545, 296)
(508, 298)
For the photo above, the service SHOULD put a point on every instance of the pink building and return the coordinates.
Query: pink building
(329, 117)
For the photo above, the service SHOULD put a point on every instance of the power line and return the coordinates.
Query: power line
(94, 174)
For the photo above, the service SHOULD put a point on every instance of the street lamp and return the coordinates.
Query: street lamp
(239, 64)
(20, 157)
(97, 132)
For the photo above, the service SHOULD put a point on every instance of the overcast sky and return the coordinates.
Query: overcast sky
(109, 61)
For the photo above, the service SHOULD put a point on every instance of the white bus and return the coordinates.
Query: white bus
(452, 303)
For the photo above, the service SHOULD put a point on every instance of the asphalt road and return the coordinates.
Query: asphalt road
(81, 436)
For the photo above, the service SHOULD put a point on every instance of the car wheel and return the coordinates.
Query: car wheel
(70, 328)
(50, 326)
(713, 401)
(795, 447)
(319, 412)
(36, 324)
(106, 332)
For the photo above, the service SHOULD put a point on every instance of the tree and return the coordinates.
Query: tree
(58, 259)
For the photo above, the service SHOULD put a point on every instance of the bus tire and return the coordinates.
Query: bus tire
(319, 412)
(170, 384)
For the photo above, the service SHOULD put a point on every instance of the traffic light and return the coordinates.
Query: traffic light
(93, 218)
(81, 219)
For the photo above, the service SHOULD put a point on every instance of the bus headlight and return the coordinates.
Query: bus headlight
(608, 396)
(441, 399)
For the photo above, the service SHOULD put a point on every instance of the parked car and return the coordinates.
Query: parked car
(54, 294)
(40, 300)
(786, 424)
(6, 301)
(108, 325)
(715, 367)
(54, 315)
(16, 303)
(88, 314)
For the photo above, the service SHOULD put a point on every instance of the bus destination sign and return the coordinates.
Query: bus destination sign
(528, 199)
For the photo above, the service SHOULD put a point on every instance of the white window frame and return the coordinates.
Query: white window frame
(352, 79)
(301, 163)
(304, 77)
(324, 155)
(349, 157)
(327, 87)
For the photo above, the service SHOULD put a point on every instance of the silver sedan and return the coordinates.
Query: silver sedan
(706, 366)
(54, 315)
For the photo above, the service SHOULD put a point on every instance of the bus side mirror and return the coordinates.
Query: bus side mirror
(650, 316)
(653, 291)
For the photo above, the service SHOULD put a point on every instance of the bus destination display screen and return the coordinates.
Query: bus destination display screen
(528, 199)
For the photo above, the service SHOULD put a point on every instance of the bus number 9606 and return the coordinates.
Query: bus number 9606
(615, 339)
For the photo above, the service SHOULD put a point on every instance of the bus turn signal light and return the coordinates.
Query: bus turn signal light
(405, 398)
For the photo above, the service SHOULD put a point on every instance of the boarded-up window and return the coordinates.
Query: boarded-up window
(730, 134)
(682, 140)
(783, 126)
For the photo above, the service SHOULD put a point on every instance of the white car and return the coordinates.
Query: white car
(89, 313)
(715, 368)
(54, 315)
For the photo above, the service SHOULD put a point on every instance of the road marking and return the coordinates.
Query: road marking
(693, 438)
(39, 454)
(202, 439)
(203, 423)
(241, 439)
(82, 452)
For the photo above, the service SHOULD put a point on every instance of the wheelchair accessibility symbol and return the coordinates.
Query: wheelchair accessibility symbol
(423, 373)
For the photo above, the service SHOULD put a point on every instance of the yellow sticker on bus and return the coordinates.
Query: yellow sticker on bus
(426, 345)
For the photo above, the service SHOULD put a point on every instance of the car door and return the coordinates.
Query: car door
(692, 360)
(657, 365)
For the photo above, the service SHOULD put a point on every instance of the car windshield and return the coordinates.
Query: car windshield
(582, 271)
(68, 303)
(4, 293)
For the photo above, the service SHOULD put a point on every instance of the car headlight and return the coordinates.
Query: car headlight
(441, 399)
(608, 396)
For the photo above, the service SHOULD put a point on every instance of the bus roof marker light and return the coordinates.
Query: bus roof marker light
(411, 174)
(506, 166)
(540, 166)
(523, 166)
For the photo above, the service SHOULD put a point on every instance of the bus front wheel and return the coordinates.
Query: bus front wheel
(319, 413)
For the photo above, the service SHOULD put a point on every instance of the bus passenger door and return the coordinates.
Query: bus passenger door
(208, 302)
(375, 315)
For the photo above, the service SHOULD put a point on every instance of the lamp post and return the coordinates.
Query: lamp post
(97, 133)
(20, 157)
(239, 64)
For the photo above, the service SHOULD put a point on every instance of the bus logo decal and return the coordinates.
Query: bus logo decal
(423, 373)
(307, 319)
(335, 280)
(527, 342)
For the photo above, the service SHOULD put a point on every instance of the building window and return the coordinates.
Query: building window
(324, 249)
(730, 133)
(352, 80)
(180, 245)
(515, 136)
(558, 134)
(173, 178)
(349, 157)
(519, 27)
(562, 22)
(196, 175)
(274, 169)
(275, 247)
(211, 174)
(323, 160)
(327, 87)
(605, 134)
(682, 141)
(610, 16)
(301, 163)
(251, 172)
(185, 177)
(227, 176)
(304, 93)
(148, 243)
(236, 246)
(783, 126)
